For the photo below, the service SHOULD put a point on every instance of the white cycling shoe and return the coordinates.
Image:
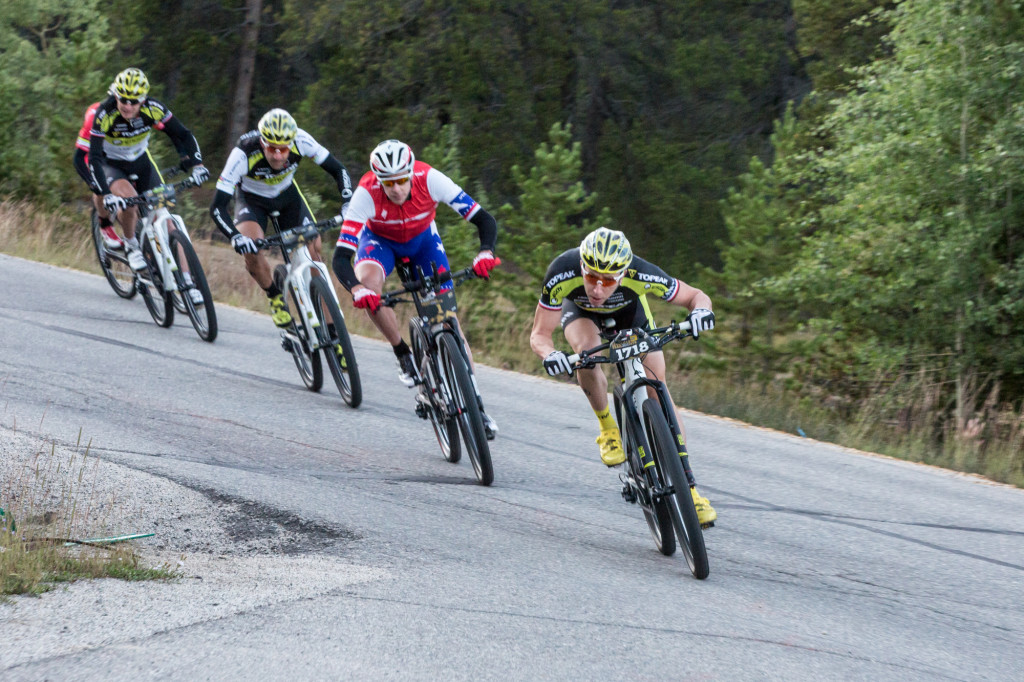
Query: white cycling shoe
(136, 261)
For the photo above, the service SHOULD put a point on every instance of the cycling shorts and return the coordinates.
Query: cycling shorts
(422, 250)
(148, 174)
(290, 204)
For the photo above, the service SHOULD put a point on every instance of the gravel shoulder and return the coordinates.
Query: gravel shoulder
(232, 556)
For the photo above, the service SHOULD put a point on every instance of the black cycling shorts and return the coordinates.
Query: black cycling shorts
(289, 203)
(632, 316)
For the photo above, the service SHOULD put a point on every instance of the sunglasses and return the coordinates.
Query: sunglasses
(396, 181)
(594, 279)
(278, 148)
(128, 100)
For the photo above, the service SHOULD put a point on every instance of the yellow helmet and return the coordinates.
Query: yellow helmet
(606, 251)
(130, 84)
(277, 127)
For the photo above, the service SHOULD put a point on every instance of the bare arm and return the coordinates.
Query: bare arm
(545, 322)
(690, 297)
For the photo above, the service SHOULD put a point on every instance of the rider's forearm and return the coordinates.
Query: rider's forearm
(185, 142)
(342, 266)
(487, 227)
(221, 217)
(340, 175)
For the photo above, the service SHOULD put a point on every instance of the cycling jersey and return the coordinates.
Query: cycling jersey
(81, 157)
(83, 132)
(249, 168)
(564, 282)
(115, 140)
(264, 189)
(372, 209)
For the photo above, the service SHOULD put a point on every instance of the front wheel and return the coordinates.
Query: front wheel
(467, 409)
(151, 284)
(656, 513)
(336, 344)
(113, 263)
(446, 429)
(203, 315)
(307, 361)
(680, 503)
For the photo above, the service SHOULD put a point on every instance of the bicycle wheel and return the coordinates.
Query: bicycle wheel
(151, 284)
(680, 503)
(471, 424)
(656, 512)
(446, 429)
(114, 264)
(306, 361)
(335, 337)
(203, 316)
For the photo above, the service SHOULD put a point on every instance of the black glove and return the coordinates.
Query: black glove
(701, 320)
(557, 363)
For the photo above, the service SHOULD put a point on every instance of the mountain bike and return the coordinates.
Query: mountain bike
(447, 395)
(317, 321)
(655, 477)
(172, 270)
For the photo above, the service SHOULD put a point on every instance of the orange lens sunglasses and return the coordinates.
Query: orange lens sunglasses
(604, 280)
(396, 181)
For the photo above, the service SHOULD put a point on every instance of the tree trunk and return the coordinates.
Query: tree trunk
(246, 68)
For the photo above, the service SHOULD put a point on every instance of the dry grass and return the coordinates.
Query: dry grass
(50, 509)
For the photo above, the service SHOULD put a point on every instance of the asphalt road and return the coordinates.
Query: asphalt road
(825, 563)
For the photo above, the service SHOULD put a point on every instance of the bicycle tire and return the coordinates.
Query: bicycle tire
(471, 424)
(115, 268)
(346, 378)
(684, 515)
(157, 301)
(204, 318)
(446, 429)
(658, 518)
(306, 361)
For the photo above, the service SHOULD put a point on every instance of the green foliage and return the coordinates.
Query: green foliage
(552, 210)
(50, 51)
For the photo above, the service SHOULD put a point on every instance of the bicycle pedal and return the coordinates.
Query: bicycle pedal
(421, 411)
(705, 526)
(286, 343)
(627, 494)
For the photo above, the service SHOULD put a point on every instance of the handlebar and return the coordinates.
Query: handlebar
(294, 235)
(164, 193)
(428, 283)
(659, 337)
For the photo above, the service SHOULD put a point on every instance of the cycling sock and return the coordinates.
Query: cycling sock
(273, 290)
(401, 348)
(606, 419)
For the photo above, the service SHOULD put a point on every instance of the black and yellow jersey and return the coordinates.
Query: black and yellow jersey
(116, 138)
(248, 167)
(564, 282)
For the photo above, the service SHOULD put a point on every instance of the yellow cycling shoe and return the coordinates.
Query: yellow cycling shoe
(706, 514)
(610, 443)
(281, 317)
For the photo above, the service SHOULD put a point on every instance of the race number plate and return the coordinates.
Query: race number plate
(439, 308)
(629, 343)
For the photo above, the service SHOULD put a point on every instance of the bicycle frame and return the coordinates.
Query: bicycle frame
(155, 226)
(300, 266)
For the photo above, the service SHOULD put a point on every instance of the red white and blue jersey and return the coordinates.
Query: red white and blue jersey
(83, 133)
(371, 209)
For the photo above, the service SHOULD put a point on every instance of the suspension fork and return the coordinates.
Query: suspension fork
(673, 423)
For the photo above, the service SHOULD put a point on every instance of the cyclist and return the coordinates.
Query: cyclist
(392, 215)
(262, 167)
(81, 163)
(119, 148)
(599, 285)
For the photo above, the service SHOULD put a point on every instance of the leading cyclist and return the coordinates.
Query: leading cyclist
(598, 285)
(392, 215)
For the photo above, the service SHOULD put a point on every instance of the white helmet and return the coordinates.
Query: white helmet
(392, 159)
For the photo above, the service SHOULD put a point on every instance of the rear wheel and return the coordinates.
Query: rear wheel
(471, 424)
(680, 503)
(151, 284)
(656, 512)
(203, 315)
(336, 344)
(113, 262)
(445, 428)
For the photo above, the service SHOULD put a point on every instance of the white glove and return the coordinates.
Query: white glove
(701, 320)
(243, 244)
(557, 363)
(114, 204)
(199, 174)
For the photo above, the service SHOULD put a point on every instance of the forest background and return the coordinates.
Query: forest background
(844, 178)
